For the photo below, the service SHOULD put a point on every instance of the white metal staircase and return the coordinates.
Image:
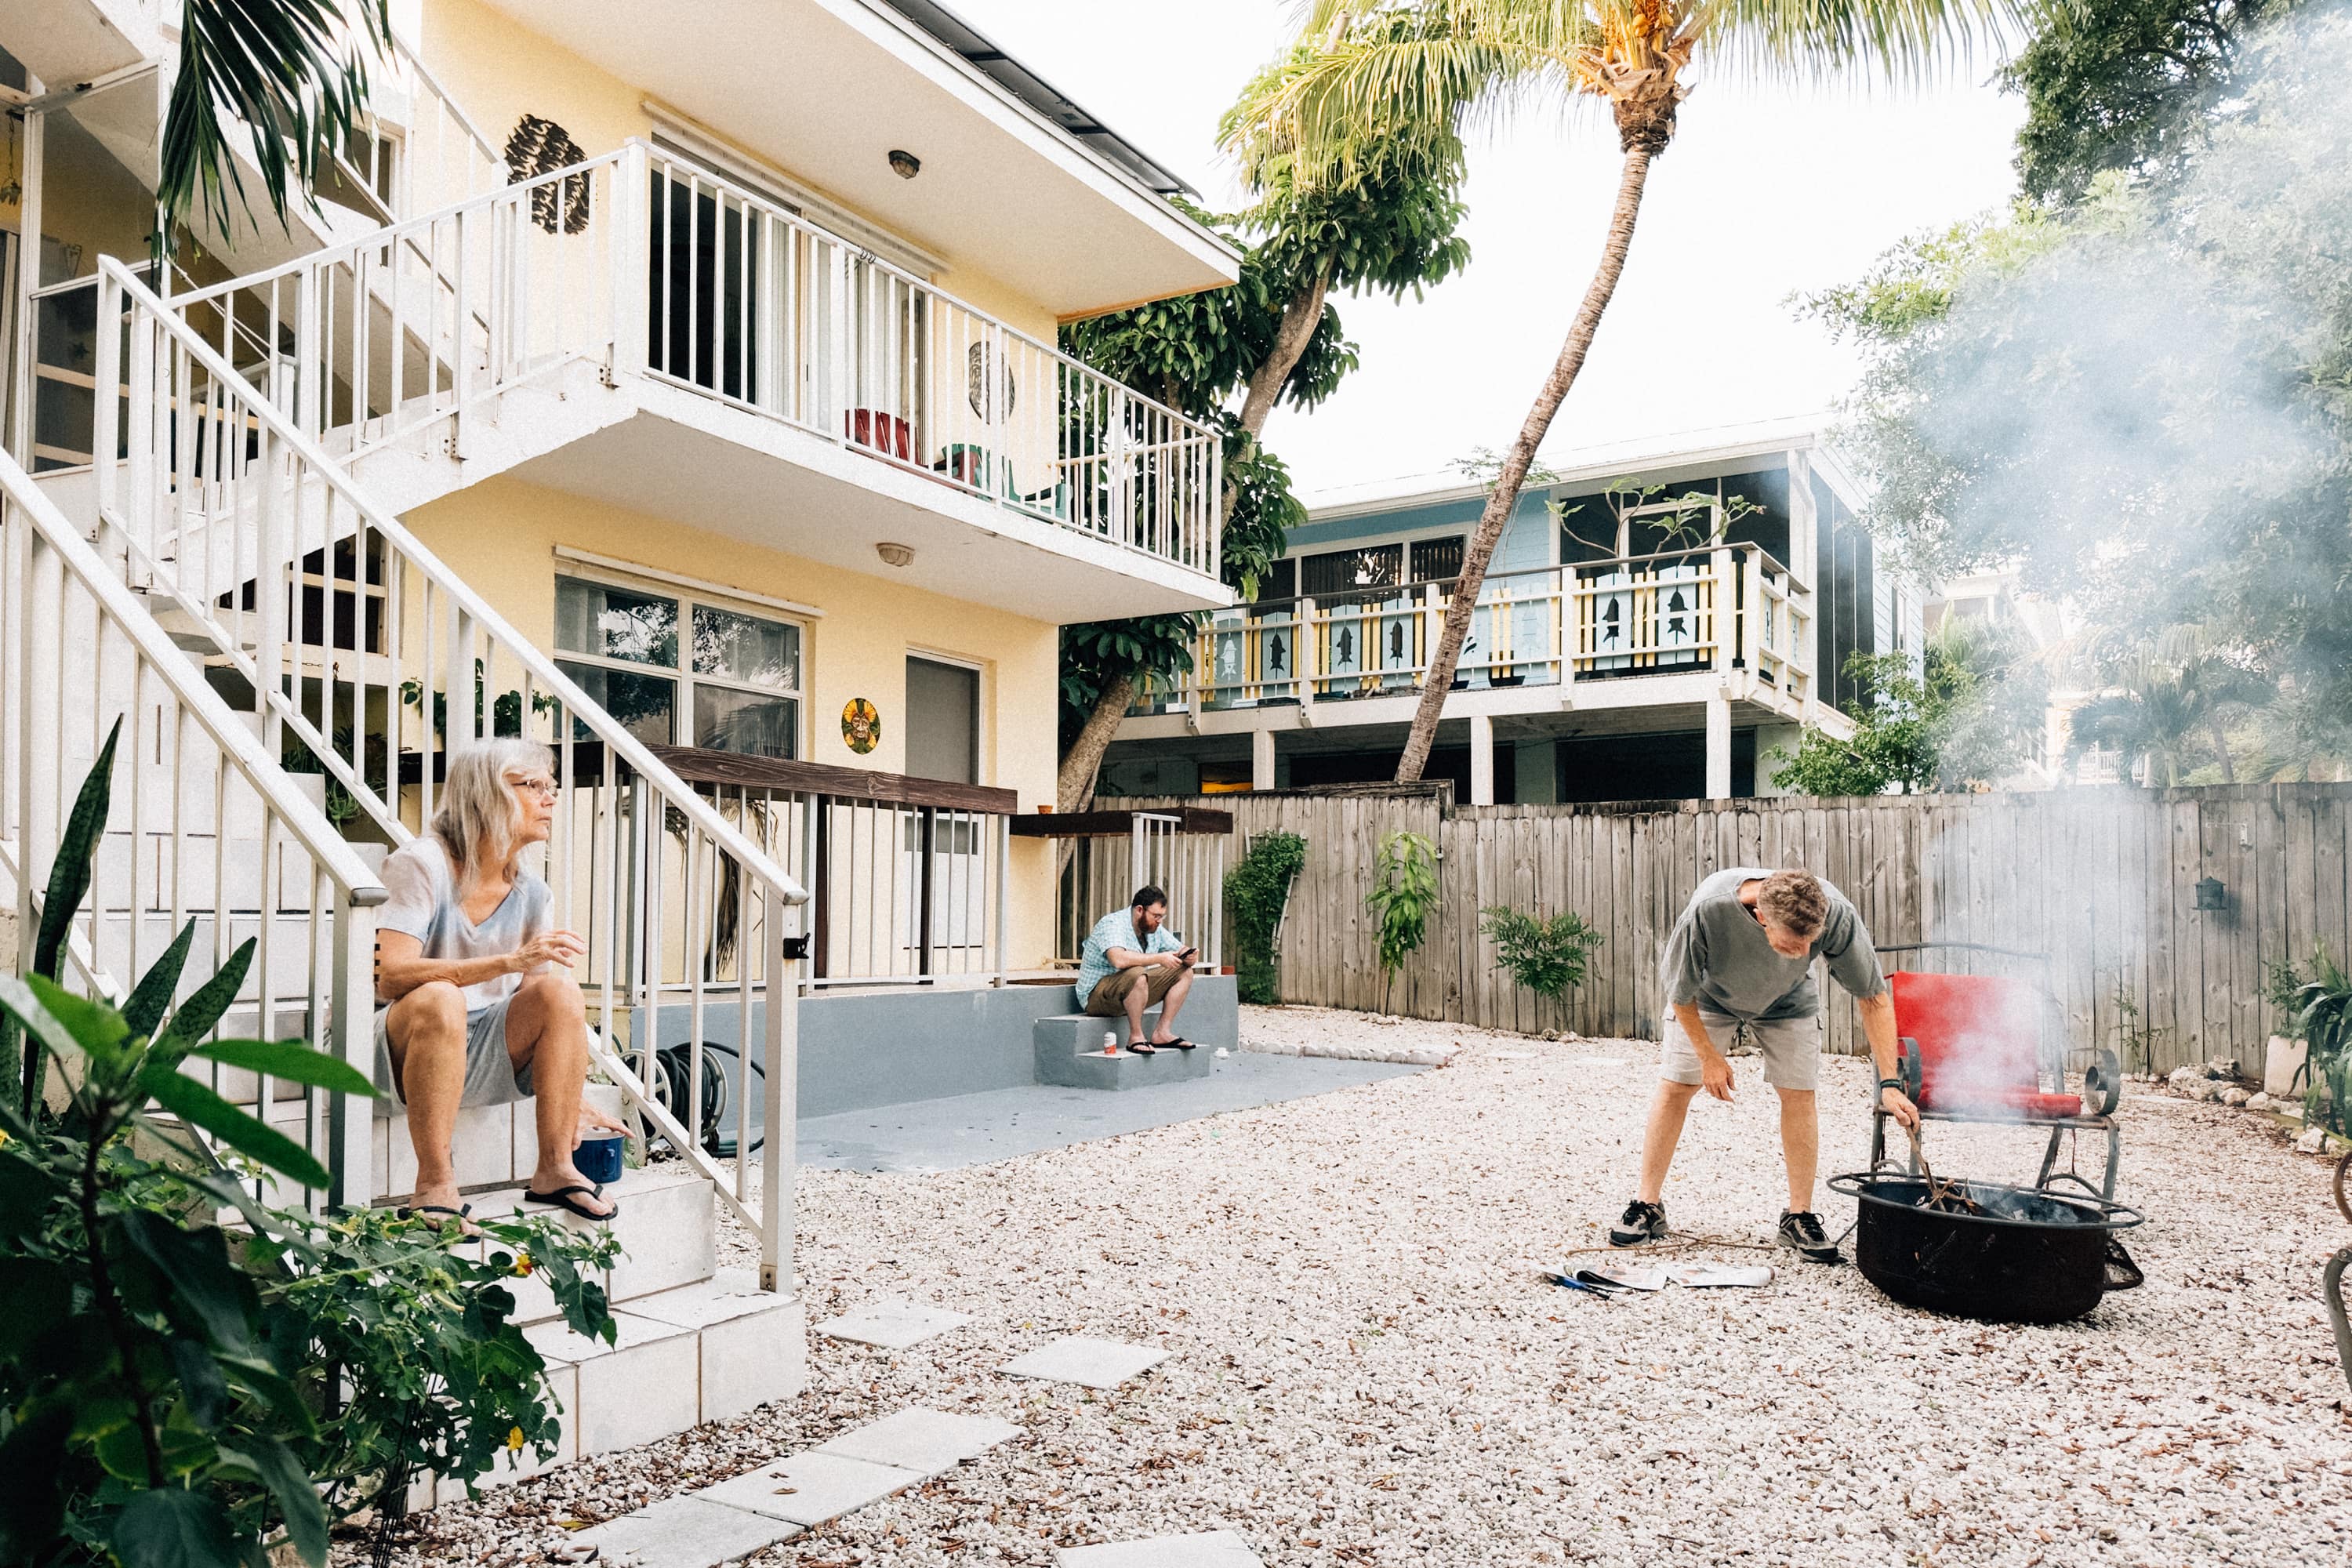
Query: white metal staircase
(262, 541)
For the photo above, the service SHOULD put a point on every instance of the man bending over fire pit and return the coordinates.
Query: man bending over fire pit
(1738, 967)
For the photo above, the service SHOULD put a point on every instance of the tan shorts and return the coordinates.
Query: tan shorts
(1109, 998)
(1792, 1048)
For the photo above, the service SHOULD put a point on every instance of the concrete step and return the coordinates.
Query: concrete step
(1069, 1052)
(667, 1225)
(707, 1352)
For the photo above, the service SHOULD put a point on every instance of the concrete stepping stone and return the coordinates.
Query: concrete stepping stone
(1091, 1363)
(683, 1532)
(1211, 1549)
(927, 1442)
(892, 1324)
(810, 1489)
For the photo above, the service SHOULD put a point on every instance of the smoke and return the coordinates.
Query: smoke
(2147, 404)
(1979, 1046)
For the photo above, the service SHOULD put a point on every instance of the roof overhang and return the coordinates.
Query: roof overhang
(829, 88)
(1665, 461)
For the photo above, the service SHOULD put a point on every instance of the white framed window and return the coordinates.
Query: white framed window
(680, 670)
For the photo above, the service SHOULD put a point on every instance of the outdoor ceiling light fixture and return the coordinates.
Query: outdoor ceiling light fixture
(895, 554)
(906, 164)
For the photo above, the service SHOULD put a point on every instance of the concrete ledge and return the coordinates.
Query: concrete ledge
(1068, 1052)
(858, 1052)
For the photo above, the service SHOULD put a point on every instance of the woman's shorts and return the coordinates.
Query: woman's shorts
(1792, 1048)
(490, 1076)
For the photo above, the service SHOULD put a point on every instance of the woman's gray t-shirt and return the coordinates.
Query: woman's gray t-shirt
(422, 901)
(1717, 958)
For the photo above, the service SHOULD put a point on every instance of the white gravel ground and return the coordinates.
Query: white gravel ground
(1364, 1372)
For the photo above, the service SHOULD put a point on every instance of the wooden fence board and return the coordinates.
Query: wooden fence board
(2102, 880)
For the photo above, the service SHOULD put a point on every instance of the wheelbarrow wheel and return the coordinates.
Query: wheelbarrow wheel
(2103, 1084)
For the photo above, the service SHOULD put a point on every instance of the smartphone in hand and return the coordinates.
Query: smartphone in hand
(1187, 956)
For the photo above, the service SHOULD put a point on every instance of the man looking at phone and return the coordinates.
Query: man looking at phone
(1130, 963)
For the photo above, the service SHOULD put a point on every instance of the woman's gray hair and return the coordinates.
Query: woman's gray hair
(477, 803)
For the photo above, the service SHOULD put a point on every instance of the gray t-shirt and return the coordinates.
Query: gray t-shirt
(422, 901)
(1716, 956)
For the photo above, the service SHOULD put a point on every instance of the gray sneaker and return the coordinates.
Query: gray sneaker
(1642, 1223)
(1802, 1234)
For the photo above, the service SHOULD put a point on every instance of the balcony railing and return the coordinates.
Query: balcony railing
(1723, 608)
(641, 262)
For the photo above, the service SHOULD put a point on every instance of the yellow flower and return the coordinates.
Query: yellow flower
(514, 1439)
(523, 1266)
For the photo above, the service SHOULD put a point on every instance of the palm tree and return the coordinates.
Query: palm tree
(2163, 710)
(1436, 70)
(293, 73)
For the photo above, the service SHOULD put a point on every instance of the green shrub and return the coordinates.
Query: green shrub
(2323, 1020)
(1547, 956)
(175, 1393)
(1404, 895)
(1256, 891)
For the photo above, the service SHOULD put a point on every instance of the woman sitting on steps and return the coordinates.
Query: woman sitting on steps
(479, 1005)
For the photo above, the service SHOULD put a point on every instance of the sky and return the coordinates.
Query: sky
(1764, 193)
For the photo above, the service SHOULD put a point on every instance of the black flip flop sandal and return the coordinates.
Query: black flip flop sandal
(1141, 1048)
(561, 1198)
(1179, 1044)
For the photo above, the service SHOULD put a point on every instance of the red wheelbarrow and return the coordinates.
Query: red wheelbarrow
(1984, 1048)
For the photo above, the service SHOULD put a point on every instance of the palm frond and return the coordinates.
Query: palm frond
(1368, 83)
(1366, 72)
(292, 72)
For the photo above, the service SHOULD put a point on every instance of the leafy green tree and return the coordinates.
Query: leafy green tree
(1271, 339)
(1396, 75)
(2122, 85)
(292, 73)
(1963, 717)
(2142, 405)
(1893, 741)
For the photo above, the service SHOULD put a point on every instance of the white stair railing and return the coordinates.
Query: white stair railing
(369, 652)
(205, 825)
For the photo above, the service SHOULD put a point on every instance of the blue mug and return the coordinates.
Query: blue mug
(598, 1155)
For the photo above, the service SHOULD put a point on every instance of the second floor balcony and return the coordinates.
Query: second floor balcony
(1619, 627)
(637, 329)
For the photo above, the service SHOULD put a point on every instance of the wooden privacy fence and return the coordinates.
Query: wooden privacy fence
(2105, 880)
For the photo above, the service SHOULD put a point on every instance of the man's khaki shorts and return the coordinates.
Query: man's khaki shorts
(1109, 998)
(1791, 1047)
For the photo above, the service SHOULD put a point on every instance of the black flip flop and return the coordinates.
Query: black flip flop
(1179, 1044)
(561, 1198)
(1141, 1048)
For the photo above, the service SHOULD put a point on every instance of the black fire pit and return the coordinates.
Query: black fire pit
(2023, 1256)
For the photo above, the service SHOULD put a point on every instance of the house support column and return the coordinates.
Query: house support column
(1482, 760)
(1261, 759)
(30, 167)
(1718, 747)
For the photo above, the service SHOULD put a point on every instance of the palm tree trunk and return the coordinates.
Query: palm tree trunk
(1505, 498)
(2222, 749)
(1300, 317)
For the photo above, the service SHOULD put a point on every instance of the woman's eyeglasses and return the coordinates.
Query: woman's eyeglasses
(537, 785)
